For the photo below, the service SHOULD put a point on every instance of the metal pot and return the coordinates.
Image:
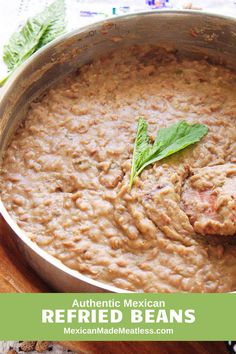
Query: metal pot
(191, 33)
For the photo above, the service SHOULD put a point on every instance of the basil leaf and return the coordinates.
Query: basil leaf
(37, 32)
(141, 146)
(54, 16)
(168, 141)
(24, 43)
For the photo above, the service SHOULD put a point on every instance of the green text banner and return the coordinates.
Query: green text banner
(118, 317)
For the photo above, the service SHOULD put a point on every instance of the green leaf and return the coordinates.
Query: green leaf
(54, 16)
(141, 145)
(37, 32)
(22, 44)
(168, 141)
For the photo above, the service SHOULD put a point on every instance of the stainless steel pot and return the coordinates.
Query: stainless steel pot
(193, 34)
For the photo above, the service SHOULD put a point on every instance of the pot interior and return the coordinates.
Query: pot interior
(191, 34)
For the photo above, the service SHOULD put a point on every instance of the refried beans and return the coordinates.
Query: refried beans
(65, 175)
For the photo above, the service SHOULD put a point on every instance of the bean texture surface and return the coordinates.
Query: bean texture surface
(65, 175)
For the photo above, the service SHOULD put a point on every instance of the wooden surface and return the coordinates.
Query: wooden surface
(16, 276)
(148, 347)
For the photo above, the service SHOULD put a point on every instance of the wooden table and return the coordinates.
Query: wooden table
(16, 276)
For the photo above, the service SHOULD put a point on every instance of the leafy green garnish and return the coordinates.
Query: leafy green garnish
(37, 32)
(54, 15)
(24, 43)
(168, 141)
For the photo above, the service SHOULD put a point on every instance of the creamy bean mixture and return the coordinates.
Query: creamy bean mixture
(65, 176)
